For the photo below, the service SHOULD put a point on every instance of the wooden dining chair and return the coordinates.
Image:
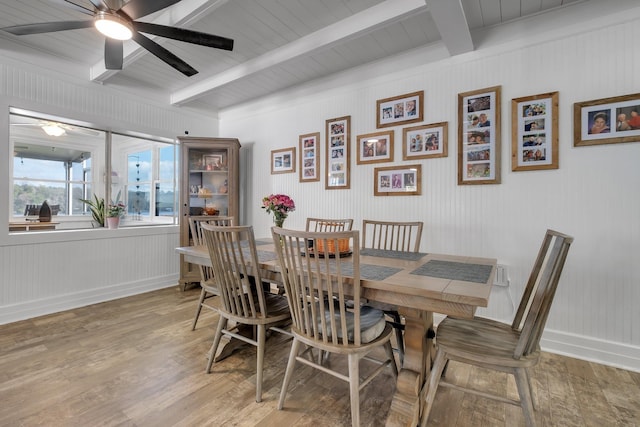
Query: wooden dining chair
(329, 225)
(514, 348)
(402, 236)
(317, 288)
(234, 257)
(207, 284)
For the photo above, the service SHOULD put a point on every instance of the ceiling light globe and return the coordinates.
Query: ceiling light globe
(53, 130)
(113, 26)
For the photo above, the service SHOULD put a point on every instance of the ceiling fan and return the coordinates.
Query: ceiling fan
(117, 21)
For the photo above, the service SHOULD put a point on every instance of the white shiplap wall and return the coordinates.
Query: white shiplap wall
(592, 196)
(42, 273)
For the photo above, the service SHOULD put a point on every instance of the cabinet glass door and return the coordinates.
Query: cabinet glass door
(208, 182)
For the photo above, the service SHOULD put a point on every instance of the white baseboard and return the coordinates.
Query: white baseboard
(41, 307)
(586, 348)
(593, 350)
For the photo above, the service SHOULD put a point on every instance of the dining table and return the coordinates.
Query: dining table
(419, 285)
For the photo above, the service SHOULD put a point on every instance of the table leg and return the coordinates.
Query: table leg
(407, 404)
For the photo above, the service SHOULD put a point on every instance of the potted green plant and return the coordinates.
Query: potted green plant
(97, 209)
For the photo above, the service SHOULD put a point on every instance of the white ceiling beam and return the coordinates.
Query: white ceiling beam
(351, 27)
(452, 25)
(181, 14)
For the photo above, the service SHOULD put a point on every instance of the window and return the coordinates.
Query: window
(62, 163)
(143, 177)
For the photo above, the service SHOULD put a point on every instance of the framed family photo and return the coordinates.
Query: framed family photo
(375, 147)
(309, 149)
(212, 161)
(283, 161)
(426, 141)
(338, 142)
(607, 120)
(534, 132)
(408, 108)
(479, 136)
(400, 180)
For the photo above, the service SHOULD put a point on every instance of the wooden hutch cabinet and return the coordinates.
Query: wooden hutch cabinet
(209, 185)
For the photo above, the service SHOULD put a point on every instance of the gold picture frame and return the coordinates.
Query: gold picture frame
(375, 147)
(625, 129)
(534, 132)
(309, 149)
(403, 109)
(399, 180)
(338, 143)
(425, 141)
(479, 136)
(283, 160)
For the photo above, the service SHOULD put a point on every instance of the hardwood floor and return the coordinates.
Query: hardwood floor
(135, 362)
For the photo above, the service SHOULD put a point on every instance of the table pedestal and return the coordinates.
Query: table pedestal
(407, 404)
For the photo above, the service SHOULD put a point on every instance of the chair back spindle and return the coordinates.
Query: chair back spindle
(231, 248)
(316, 286)
(329, 225)
(535, 304)
(392, 235)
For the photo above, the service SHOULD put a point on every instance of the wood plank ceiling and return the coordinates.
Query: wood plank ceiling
(278, 43)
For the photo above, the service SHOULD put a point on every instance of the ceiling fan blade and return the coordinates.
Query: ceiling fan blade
(181, 34)
(71, 5)
(112, 54)
(164, 54)
(139, 8)
(100, 5)
(47, 27)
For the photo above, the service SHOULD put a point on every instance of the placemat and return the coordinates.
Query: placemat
(367, 271)
(478, 273)
(408, 256)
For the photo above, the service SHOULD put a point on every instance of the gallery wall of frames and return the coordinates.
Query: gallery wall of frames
(534, 139)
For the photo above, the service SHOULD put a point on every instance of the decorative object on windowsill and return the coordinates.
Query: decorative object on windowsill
(96, 206)
(114, 212)
(45, 212)
(280, 205)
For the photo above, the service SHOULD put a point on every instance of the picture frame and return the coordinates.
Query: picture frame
(398, 180)
(425, 141)
(212, 162)
(283, 160)
(534, 132)
(479, 136)
(407, 108)
(309, 149)
(625, 128)
(375, 147)
(338, 146)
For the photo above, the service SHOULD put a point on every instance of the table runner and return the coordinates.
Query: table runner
(478, 273)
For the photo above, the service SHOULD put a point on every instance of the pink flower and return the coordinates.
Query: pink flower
(279, 204)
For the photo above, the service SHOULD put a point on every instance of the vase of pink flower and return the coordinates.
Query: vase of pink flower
(280, 205)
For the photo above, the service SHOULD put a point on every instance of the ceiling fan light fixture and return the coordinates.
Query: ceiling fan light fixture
(53, 130)
(113, 26)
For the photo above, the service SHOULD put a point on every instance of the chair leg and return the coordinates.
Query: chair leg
(439, 364)
(203, 293)
(533, 395)
(262, 332)
(354, 388)
(524, 390)
(295, 346)
(400, 343)
(216, 341)
(389, 351)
